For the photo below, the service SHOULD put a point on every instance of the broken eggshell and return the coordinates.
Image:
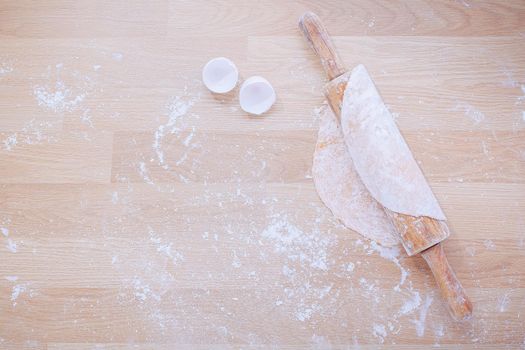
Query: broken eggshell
(220, 75)
(257, 95)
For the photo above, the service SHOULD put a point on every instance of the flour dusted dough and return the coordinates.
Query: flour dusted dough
(340, 187)
(363, 164)
(379, 153)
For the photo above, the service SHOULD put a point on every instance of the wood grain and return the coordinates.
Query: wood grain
(94, 236)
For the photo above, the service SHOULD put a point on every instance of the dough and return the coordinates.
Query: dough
(379, 152)
(340, 187)
(364, 164)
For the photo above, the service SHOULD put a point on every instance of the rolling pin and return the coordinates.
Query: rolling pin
(419, 235)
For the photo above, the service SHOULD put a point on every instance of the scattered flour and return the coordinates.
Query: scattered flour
(58, 97)
(117, 56)
(320, 342)
(114, 197)
(11, 278)
(64, 91)
(420, 322)
(470, 111)
(392, 254)
(379, 331)
(300, 70)
(165, 248)
(411, 304)
(33, 133)
(503, 302)
(236, 263)
(17, 291)
(144, 172)
(485, 148)
(306, 248)
(55, 95)
(520, 100)
(85, 117)
(178, 107)
(142, 290)
(510, 81)
(439, 330)
(371, 289)
(5, 69)
(11, 246)
(5, 231)
(410, 297)
(10, 142)
(306, 258)
(489, 244)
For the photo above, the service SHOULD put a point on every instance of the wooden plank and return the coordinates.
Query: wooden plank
(101, 224)
(433, 18)
(437, 83)
(66, 19)
(494, 157)
(41, 157)
(91, 315)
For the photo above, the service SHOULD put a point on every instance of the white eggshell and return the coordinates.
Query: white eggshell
(220, 75)
(257, 95)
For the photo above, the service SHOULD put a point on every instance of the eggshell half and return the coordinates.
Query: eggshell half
(220, 75)
(257, 95)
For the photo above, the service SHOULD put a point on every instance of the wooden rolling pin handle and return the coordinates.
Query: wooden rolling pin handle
(320, 41)
(457, 300)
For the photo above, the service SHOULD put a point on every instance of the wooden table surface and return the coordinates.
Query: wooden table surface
(138, 211)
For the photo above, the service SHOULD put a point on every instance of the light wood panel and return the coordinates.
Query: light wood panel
(126, 224)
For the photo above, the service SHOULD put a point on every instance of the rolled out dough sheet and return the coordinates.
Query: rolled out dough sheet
(379, 152)
(340, 187)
